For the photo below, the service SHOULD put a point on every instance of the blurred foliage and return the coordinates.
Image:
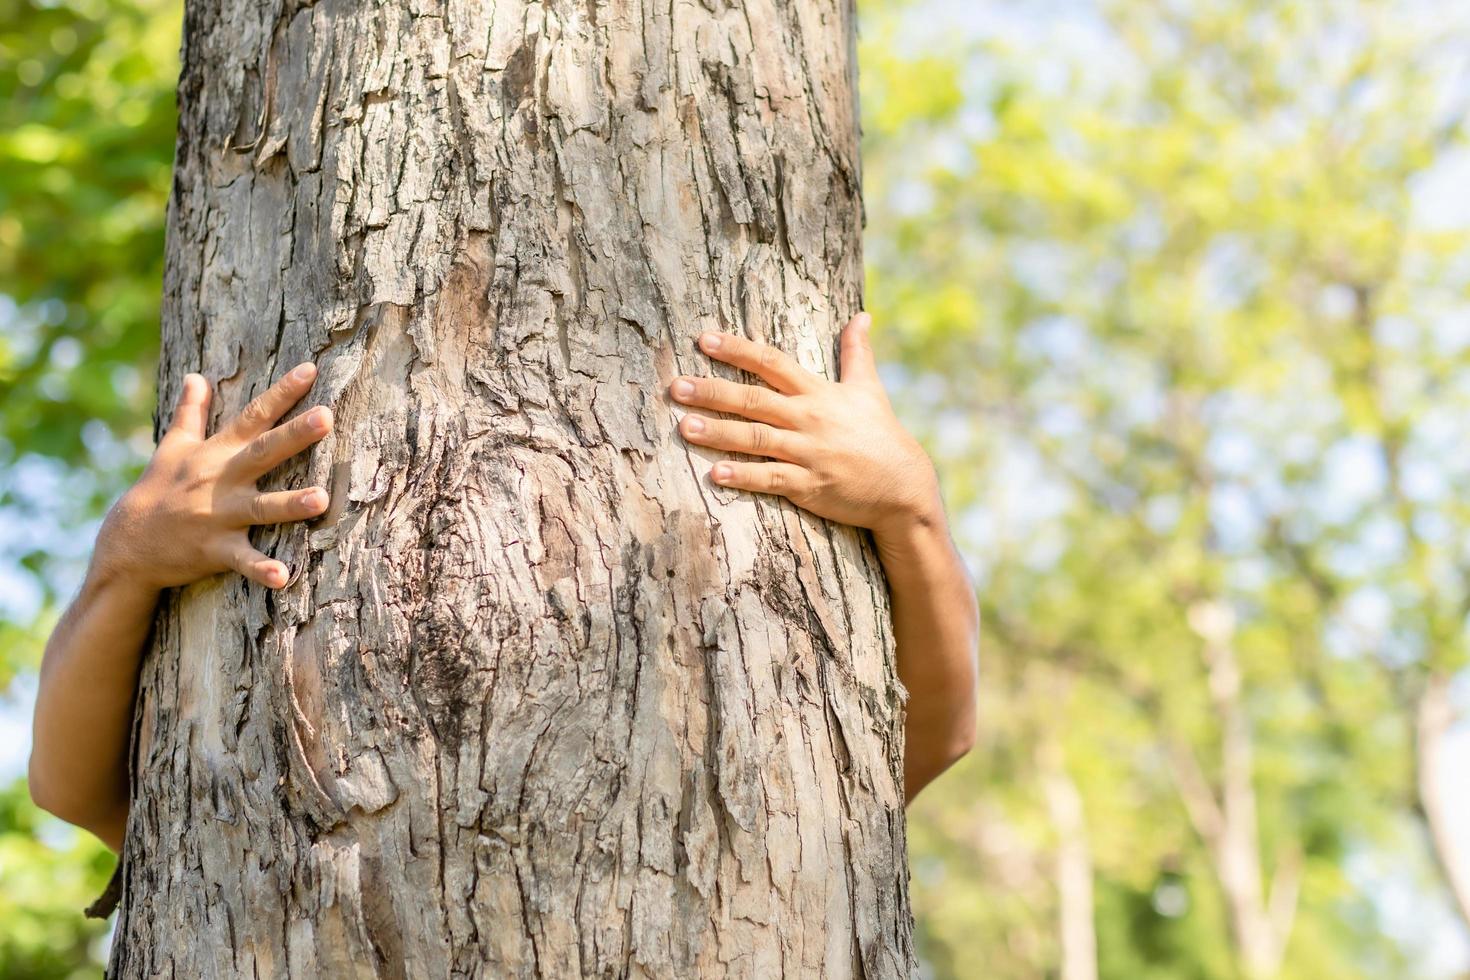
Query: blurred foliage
(1153, 289)
(87, 123)
(49, 872)
(86, 143)
(1196, 375)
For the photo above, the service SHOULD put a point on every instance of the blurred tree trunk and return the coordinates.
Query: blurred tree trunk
(1076, 908)
(1226, 818)
(1422, 688)
(1434, 717)
(540, 700)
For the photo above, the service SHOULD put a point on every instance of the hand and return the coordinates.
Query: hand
(187, 516)
(836, 448)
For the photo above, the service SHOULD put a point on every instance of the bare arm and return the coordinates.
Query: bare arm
(837, 450)
(184, 520)
(937, 624)
(84, 709)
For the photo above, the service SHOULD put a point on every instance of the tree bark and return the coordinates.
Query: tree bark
(540, 700)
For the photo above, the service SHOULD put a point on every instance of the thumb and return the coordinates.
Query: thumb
(856, 363)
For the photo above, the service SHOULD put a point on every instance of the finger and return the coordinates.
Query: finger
(272, 403)
(282, 506)
(784, 479)
(856, 363)
(265, 452)
(752, 401)
(257, 567)
(770, 364)
(755, 438)
(192, 409)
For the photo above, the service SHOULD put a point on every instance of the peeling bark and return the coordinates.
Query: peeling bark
(540, 700)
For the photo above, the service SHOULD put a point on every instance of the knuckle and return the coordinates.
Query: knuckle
(187, 474)
(198, 507)
(753, 398)
(225, 553)
(253, 413)
(803, 448)
(196, 480)
(760, 437)
(767, 357)
(776, 481)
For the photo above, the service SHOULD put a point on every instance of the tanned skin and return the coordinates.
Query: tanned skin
(185, 519)
(835, 449)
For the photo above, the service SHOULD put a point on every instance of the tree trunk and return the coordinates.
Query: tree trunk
(1434, 717)
(1076, 908)
(1227, 819)
(540, 701)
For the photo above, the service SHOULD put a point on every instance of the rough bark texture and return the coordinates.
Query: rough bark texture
(541, 700)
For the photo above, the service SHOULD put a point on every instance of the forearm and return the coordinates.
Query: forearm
(936, 624)
(84, 707)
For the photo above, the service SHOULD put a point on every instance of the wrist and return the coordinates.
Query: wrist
(114, 575)
(914, 528)
(114, 568)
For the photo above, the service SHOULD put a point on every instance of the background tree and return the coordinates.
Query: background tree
(1202, 348)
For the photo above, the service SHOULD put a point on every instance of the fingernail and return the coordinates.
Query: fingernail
(318, 418)
(693, 423)
(723, 472)
(710, 341)
(314, 498)
(683, 389)
(303, 372)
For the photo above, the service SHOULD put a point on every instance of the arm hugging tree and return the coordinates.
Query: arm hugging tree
(541, 699)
